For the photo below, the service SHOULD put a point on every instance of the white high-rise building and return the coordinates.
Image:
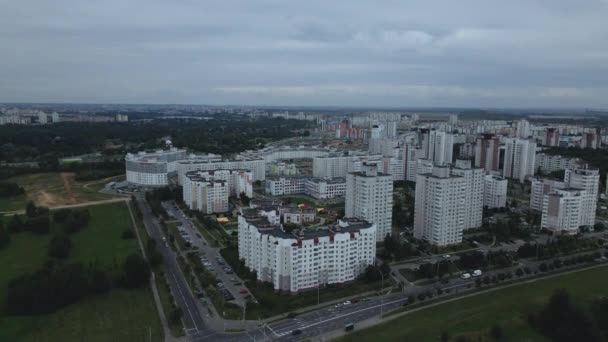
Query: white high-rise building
(440, 147)
(411, 154)
(440, 207)
(519, 160)
(475, 179)
(588, 180)
(369, 196)
(303, 260)
(564, 210)
(495, 192)
(523, 129)
(540, 188)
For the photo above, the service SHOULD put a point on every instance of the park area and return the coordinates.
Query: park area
(472, 317)
(54, 189)
(118, 315)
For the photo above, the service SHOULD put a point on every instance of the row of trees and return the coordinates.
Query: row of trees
(8, 189)
(395, 248)
(56, 285)
(560, 245)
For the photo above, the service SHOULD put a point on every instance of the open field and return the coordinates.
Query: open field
(121, 315)
(53, 189)
(474, 316)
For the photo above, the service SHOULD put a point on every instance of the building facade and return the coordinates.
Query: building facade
(302, 260)
(475, 181)
(519, 159)
(540, 188)
(152, 168)
(563, 210)
(439, 214)
(209, 191)
(487, 152)
(588, 180)
(495, 192)
(369, 196)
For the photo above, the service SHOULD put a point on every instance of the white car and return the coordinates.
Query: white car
(447, 256)
(347, 302)
(465, 276)
(477, 273)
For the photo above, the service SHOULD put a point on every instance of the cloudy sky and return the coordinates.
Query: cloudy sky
(515, 53)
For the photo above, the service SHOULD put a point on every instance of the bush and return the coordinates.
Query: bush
(8, 189)
(76, 221)
(128, 234)
(136, 271)
(60, 247)
(496, 332)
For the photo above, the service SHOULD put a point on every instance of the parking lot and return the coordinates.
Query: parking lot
(231, 286)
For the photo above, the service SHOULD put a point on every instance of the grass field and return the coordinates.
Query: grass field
(474, 316)
(120, 315)
(53, 189)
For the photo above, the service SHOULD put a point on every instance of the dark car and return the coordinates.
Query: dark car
(296, 332)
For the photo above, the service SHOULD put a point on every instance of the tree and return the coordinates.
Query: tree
(599, 227)
(444, 337)
(5, 238)
(30, 209)
(543, 267)
(136, 271)
(496, 332)
(561, 321)
(245, 199)
(59, 247)
(519, 272)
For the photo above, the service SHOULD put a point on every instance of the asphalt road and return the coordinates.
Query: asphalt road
(193, 321)
(211, 253)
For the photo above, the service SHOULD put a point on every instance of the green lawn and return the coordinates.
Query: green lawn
(120, 315)
(474, 316)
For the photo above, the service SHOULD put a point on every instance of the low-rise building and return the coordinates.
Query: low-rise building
(297, 215)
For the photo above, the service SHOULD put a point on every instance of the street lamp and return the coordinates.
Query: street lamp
(381, 292)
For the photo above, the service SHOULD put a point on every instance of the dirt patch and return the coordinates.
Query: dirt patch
(66, 178)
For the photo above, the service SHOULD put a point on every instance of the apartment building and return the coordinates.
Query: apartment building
(519, 159)
(487, 155)
(305, 259)
(547, 163)
(475, 180)
(153, 168)
(495, 192)
(588, 180)
(540, 188)
(369, 196)
(564, 210)
(208, 191)
(439, 214)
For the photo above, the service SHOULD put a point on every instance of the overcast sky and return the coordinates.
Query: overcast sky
(515, 53)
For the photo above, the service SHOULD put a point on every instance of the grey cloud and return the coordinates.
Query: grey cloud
(383, 53)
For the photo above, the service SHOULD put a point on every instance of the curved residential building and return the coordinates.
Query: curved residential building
(152, 168)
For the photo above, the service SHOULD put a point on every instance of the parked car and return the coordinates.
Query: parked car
(477, 273)
(243, 291)
(465, 276)
(296, 332)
